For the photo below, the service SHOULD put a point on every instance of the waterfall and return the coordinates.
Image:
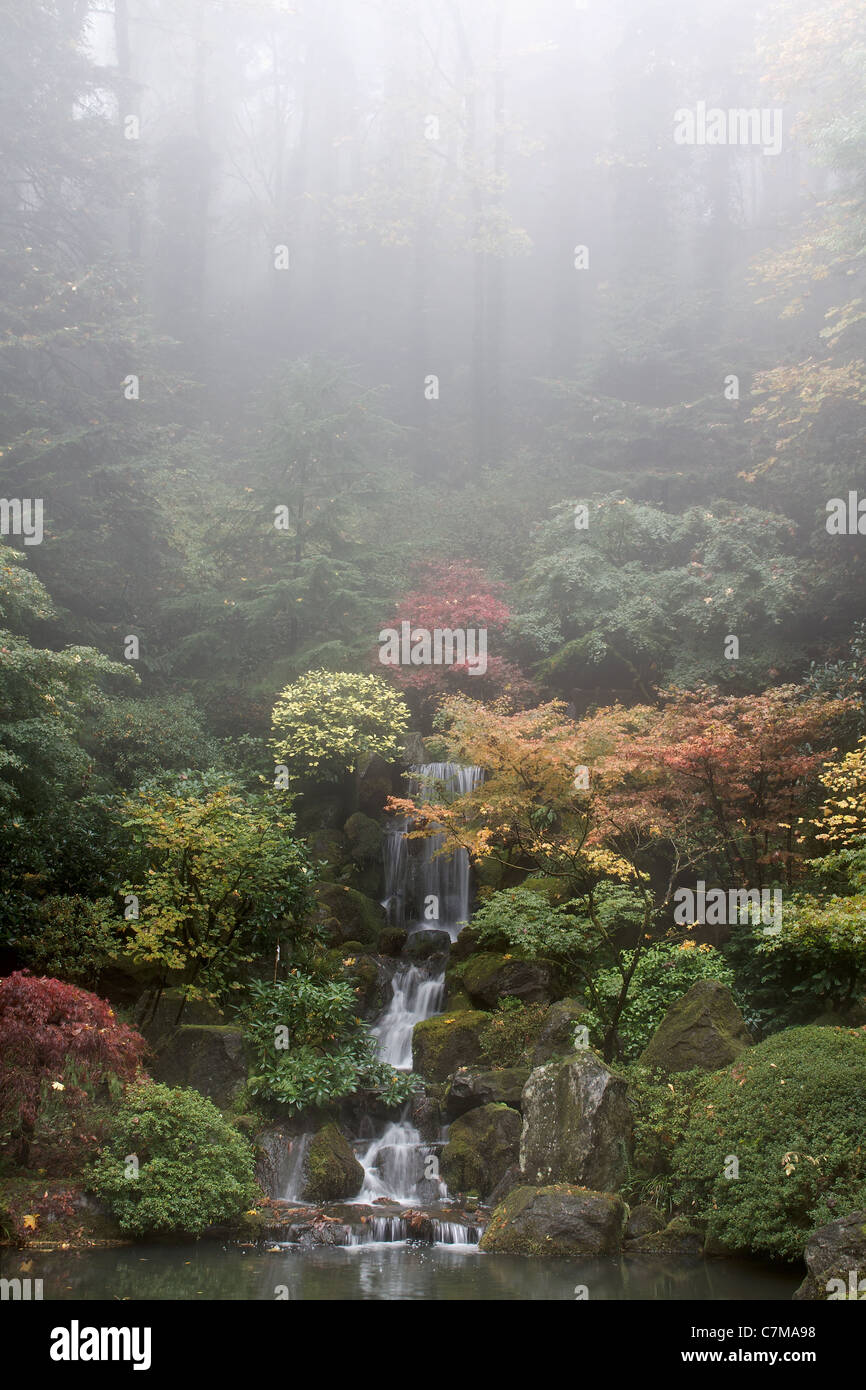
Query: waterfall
(410, 883)
(415, 995)
(295, 1176)
(397, 1162)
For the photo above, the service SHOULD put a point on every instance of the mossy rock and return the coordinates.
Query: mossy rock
(577, 1124)
(489, 977)
(332, 1172)
(556, 1035)
(429, 941)
(472, 1087)
(442, 1044)
(679, 1237)
(458, 1001)
(348, 914)
(364, 836)
(467, 942)
(704, 1028)
(209, 1058)
(165, 1018)
(330, 851)
(482, 1146)
(836, 1261)
(556, 1222)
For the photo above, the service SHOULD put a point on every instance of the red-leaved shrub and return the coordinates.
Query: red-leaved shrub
(57, 1044)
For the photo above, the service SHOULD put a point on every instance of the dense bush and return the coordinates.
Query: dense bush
(173, 1163)
(310, 1047)
(57, 1042)
(72, 937)
(662, 974)
(792, 1111)
(523, 920)
(327, 721)
(219, 878)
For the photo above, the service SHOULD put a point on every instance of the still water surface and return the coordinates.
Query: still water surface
(400, 1272)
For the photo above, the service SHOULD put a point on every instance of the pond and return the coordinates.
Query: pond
(400, 1271)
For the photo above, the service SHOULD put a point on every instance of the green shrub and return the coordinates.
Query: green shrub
(511, 1033)
(193, 1168)
(664, 973)
(309, 1046)
(792, 1111)
(815, 964)
(523, 920)
(327, 721)
(71, 938)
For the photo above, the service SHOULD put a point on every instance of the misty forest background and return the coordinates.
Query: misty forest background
(427, 170)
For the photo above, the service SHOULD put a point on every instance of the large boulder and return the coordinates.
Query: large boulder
(836, 1261)
(556, 1036)
(429, 941)
(155, 1018)
(704, 1028)
(349, 915)
(482, 1146)
(577, 1124)
(489, 977)
(678, 1237)
(442, 1044)
(209, 1058)
(332, 1172)
(644, 1220)
(472, 1086)
(374, 781)
(364, 837)
(560, 1222)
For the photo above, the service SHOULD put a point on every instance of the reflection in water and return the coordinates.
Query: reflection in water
(394, 1272)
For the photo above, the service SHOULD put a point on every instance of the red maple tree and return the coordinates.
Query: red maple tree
(56, 1037)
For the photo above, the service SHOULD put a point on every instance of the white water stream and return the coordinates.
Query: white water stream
(397, 1163)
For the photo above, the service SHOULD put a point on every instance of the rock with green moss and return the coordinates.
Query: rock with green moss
(364, 836)
(332, 1173)
(833, 1254)
(560, 1221)
(474, 1086)
(429, 941)
(678, 1237)
(644, 1220)
(489, 977)
(577, 1124)
(704, 1028)
(349, 915)
(556, 1037)
(482, 1146)
(442, 1044)
(210, 1058)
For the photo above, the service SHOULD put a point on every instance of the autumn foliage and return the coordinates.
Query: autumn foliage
(56, 1041)
(704, 782)
(451, 594)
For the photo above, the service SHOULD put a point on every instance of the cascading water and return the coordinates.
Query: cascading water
(397, 1162)
(416, 995)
